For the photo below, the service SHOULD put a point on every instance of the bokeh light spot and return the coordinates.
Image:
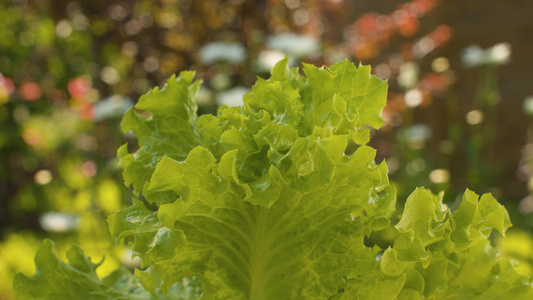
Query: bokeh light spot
(440, 64)
(43, 177)
(63, 29)
(89, 169)
(109, 75)
(413, 98)
(439, 176)
(474, 117)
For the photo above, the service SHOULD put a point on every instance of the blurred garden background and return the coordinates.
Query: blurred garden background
(459, 112)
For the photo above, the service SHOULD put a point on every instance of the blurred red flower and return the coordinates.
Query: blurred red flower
(30, 91)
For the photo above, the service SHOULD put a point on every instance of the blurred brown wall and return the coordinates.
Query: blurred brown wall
(486, 23)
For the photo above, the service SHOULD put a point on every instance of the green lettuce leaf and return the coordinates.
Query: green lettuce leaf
(267, 204)
(167, 130)
(76, 280)
(445, 255)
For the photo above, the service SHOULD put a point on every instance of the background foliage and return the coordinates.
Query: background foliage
(69, 69)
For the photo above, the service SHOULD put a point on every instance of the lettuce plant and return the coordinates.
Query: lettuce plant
(274, 199)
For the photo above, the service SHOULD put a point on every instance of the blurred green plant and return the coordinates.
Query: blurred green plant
(483, 166)
(518, 245)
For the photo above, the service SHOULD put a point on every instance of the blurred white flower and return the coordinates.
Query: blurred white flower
(113, 106)
(408, 76)
(474, 56)
(267, 59)
(413, 97)
(528, 105)
(63, 28)
(416, 135)
(423, 46)
(222, 52)
(475, 117)
(58, 222)
(232, 97)
(500, 53)
(294, 45)
(439, 176)
(43, 177)
(440, 64)
(418, 132)
(110, 75)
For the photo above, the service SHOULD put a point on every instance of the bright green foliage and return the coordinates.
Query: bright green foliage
(75, 280)
(271, 201)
